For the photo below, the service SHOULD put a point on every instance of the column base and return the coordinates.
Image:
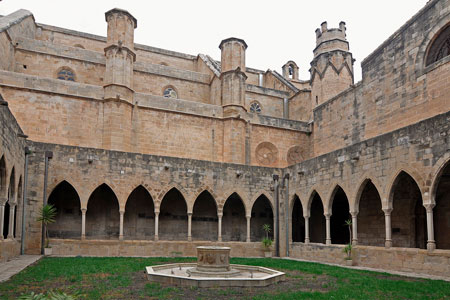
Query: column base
(247, 240)
(120, 237)
(307, 241)
(328, 242)
(431, 245)
(354, 242)
(189, 238)
(83, 237)
(10, 237)
(156, 238)
(219, 239)
(388, 244)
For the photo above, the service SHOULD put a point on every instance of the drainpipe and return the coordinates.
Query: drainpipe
(285, 108)
(277, 216)
(286, 201)
(48, 155)
(24, 199)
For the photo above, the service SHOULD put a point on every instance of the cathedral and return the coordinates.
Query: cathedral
(150, 152)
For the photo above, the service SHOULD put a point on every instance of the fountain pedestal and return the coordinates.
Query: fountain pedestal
(213, 262)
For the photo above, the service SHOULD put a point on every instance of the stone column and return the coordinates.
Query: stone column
(306, 230)
(248, 229)
(156, 224)
(11, 221)
(189, 226)
(219, 229)
(2, 215)
(387, 218)
(83, 223)
(354, 228)
(328, 232)
(121, 225)
(431, 244)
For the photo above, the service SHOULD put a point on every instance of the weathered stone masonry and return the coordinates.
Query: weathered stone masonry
(154, 152)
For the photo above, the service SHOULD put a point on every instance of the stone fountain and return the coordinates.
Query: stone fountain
(213, 269)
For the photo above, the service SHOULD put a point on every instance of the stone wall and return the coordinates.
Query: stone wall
(12, 159)
(397, 89)
(395, 259)
(69, 247)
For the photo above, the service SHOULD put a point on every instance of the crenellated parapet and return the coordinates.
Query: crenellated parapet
(332, 67)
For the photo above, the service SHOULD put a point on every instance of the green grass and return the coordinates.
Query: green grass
(124, 278)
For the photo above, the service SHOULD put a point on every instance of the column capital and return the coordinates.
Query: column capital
(220, 214)
(83, 210)
(248, 216)
(189, 214)
(327, 215)
(3, 201)
(354, 213)
(429, 206)
(122, 211)
(387, 211)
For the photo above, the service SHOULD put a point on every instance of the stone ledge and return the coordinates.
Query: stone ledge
(266, 91)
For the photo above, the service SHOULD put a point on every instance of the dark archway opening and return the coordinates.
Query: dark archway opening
(139, 217)
(441, 211)
(102, 216)
(408, 214)
(317, 221)
(371, 221)
(340, 233)
(173, 220)
(204, 218)
(6, 220)
(298, 222)
(234, 222)
(261, 214)
(68, 212)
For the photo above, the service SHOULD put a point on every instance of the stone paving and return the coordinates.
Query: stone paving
(14, 266)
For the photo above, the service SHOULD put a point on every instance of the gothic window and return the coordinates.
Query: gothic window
(66, 74)
(170, 93)
(440, 47)
(255, 107)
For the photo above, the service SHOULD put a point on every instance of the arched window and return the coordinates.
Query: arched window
(170, 93)
(440, 47)
(66, 74)
(255, 107)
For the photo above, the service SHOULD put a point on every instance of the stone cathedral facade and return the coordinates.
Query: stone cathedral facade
(151, 152)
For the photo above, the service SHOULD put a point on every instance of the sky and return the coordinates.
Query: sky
(275, 31)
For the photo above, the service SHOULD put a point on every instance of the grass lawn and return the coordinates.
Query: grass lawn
(124, 278)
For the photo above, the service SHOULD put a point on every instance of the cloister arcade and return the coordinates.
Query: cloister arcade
(394, 215)
(10, 201)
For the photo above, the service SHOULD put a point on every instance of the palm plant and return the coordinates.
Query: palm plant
(267, 242)
(47, 216)
(348, 248)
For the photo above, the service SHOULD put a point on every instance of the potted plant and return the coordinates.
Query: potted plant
(47, 216)
(267, 241)
(348, 248)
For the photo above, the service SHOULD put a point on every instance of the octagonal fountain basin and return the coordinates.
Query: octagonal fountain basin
(213, 270)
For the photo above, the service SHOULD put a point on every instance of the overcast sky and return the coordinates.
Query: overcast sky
(276, 31)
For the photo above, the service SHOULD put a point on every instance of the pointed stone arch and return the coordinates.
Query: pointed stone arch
(204, 217)
(418, 179)
(180, 189)
(316, 218)
(339, 210)
(408, 213)
(297, 223)
(440, 202)
(354, 205)
(102, 215)
(139, 215)
(173, 215)
(370, 216)
(262, 212)
(3, 177)
(65, 198)
(234, 218)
